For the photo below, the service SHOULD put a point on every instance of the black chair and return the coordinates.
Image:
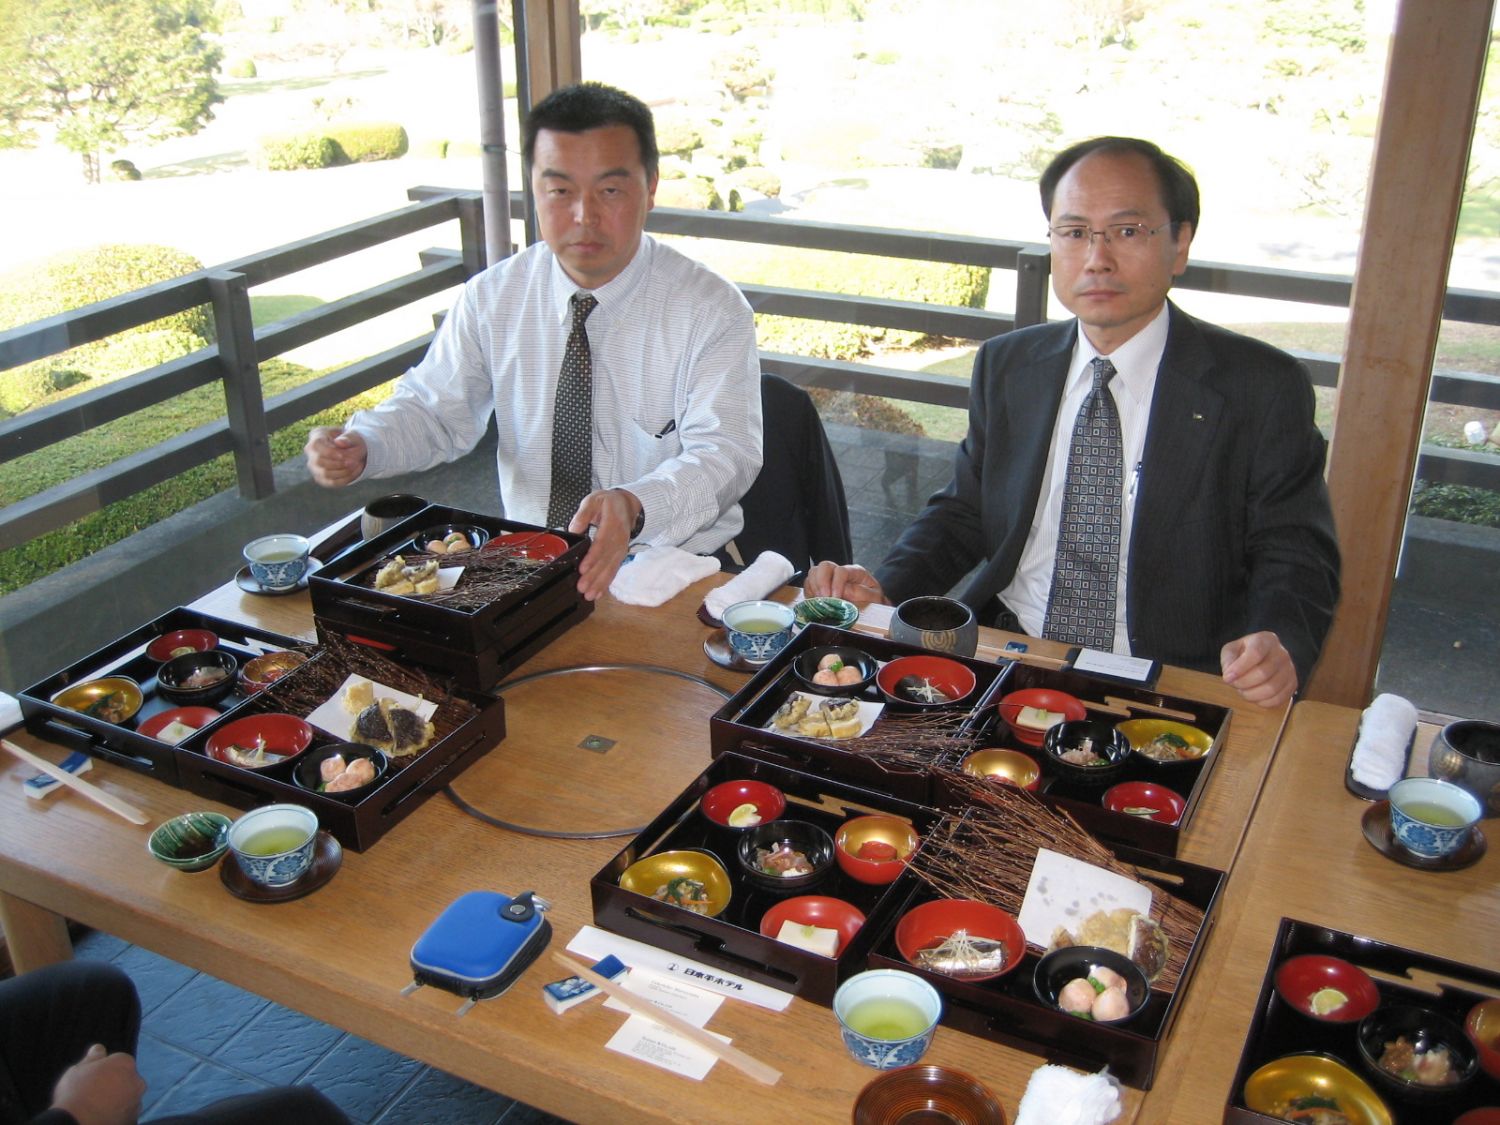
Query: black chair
(796, 505)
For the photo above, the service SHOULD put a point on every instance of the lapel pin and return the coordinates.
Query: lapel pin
(1197, 417)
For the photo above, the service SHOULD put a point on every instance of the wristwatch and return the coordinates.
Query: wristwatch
(640, 524)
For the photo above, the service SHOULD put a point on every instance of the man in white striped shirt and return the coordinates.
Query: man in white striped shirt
(676, 417)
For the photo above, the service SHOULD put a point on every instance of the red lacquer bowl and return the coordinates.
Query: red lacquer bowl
(723, 799)
(814, 910)
(928, 925)
(279, 736)
(1046, 699)
(1298, 979)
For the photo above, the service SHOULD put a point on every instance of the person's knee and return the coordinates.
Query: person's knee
(285, 1105)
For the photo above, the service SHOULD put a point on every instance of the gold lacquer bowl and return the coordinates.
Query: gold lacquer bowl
(874, 849)
(1004, 765)
(652, 875)
(1271, 1088)
(1483, 1028)
(113, 699)
(1141, 732)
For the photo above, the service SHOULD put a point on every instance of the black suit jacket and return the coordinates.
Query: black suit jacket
(1232, 533)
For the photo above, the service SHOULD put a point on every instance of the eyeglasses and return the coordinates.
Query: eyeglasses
(1076, 238)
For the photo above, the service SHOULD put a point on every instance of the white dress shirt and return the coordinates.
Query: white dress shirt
(676, 375)
(1133, 386)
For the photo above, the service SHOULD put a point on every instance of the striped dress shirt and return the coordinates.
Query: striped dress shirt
(676, 414)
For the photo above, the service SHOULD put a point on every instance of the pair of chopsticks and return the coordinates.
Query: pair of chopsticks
(92, 792)
(761, 1072)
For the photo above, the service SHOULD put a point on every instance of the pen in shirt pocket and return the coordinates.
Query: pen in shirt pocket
(1135, 480)
(668, 428)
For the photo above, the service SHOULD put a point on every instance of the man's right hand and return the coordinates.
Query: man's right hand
(335, 457)
(852, 583)
(101, 1088)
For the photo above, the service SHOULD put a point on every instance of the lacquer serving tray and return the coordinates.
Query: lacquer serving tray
(1401, 976)
(476, 644)
(732, 940)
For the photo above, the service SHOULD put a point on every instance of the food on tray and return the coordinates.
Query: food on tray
(340, 776)
(204, 677)
(782, 860)
(1038, 718)
(251, 757)
(454, 543)
(1311, 1109)
(877, 851)
(393, 728)
(1125, 931)
(744, 816)
(1326, 1001)
(814, 939)
(1169, 747)
(833, 672)
(396, 577)
(181, 650)
(358, 695)
(1099, 996)
(963, 955)
(113, 707)
(920, 689)
(174, 732)
(1433, 1067)
(831, 718)
(1084, 754)
(685, 892)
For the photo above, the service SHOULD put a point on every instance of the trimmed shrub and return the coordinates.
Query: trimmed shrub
(242, 68)
(124, 170)
(287, 152)
(692, 192)
(762, 180)
(371, 141)
(677, 138)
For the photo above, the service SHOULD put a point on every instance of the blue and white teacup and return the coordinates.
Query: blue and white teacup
(278, 562)
(274, 844)
(758, 630)
(1432, 818)
(887, 1017)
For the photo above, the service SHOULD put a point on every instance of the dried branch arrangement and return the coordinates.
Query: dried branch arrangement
(908, 742)
(987, 851)
(304, 689)
(487, 577)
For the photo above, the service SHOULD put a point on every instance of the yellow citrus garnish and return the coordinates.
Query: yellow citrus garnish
(744, 816)
(1326, 1000)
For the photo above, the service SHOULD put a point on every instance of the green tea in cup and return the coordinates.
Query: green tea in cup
(887, 1017)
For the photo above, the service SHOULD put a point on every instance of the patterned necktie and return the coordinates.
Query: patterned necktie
(1081, 608)
(573, 421)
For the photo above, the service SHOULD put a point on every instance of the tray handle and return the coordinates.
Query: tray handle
(705, 943)
(74, 738)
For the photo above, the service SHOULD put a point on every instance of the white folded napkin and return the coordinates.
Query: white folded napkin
(768, 572)
(10, 712)
(1056, 1095)
(1385, 733)
(658, 574)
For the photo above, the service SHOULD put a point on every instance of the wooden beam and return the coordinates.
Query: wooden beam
(1416, 183)
(554, 54)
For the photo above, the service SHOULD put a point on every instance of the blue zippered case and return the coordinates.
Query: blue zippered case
(480, 944)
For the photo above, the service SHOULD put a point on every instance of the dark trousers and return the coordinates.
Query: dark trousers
(50, 1017)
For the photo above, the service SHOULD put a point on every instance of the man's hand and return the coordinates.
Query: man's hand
(612, 513)
(335, 457)
(853, 583)
(101, 1089)
(1260, 669)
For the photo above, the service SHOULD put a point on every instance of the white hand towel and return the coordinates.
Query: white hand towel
(10, 712)
(1385, 733)
(658, 574)
(1056, 1095)
(768, 572)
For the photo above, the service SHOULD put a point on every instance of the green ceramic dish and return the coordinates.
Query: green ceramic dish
(192, 841)
(826, 611)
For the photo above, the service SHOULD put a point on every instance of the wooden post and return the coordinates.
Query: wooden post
(243, 400)
(554, 54)
(1033, 274)
(1416, 183)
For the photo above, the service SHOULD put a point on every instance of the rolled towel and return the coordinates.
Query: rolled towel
(1385, 734)
(10, 712)
(1056, 1095)
(658, 574)
(768, 572)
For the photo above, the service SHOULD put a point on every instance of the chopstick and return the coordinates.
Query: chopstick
(92, 792)
(1154, 708)
(761, 1072)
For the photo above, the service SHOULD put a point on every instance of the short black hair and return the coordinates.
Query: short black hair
(1179, 190)
(592, 105)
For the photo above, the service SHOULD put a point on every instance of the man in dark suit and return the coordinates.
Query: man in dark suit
(1221, 552)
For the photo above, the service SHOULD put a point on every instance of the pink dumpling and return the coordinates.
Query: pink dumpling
(1077, 996)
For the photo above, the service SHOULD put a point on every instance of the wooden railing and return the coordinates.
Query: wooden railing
(249, 420)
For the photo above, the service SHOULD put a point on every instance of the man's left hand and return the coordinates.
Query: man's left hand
(612, 513)
(1260, 669)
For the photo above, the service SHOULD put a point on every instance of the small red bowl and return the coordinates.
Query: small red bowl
(180, 641)
(1484, 1115)
(930, 924)
(1298, 979)
(1046, 699)
(953, 679)
(814, 910)
(723, 799)
(1146, 800)
(1482, 1025)
(540, 545)
(194, 717)
(281, 737)
(874, 849)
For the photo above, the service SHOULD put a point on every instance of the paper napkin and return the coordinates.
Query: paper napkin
(1385, 734)
(1056, 1095)
(768, 572)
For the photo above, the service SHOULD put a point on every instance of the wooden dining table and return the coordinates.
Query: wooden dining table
(602, 744)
